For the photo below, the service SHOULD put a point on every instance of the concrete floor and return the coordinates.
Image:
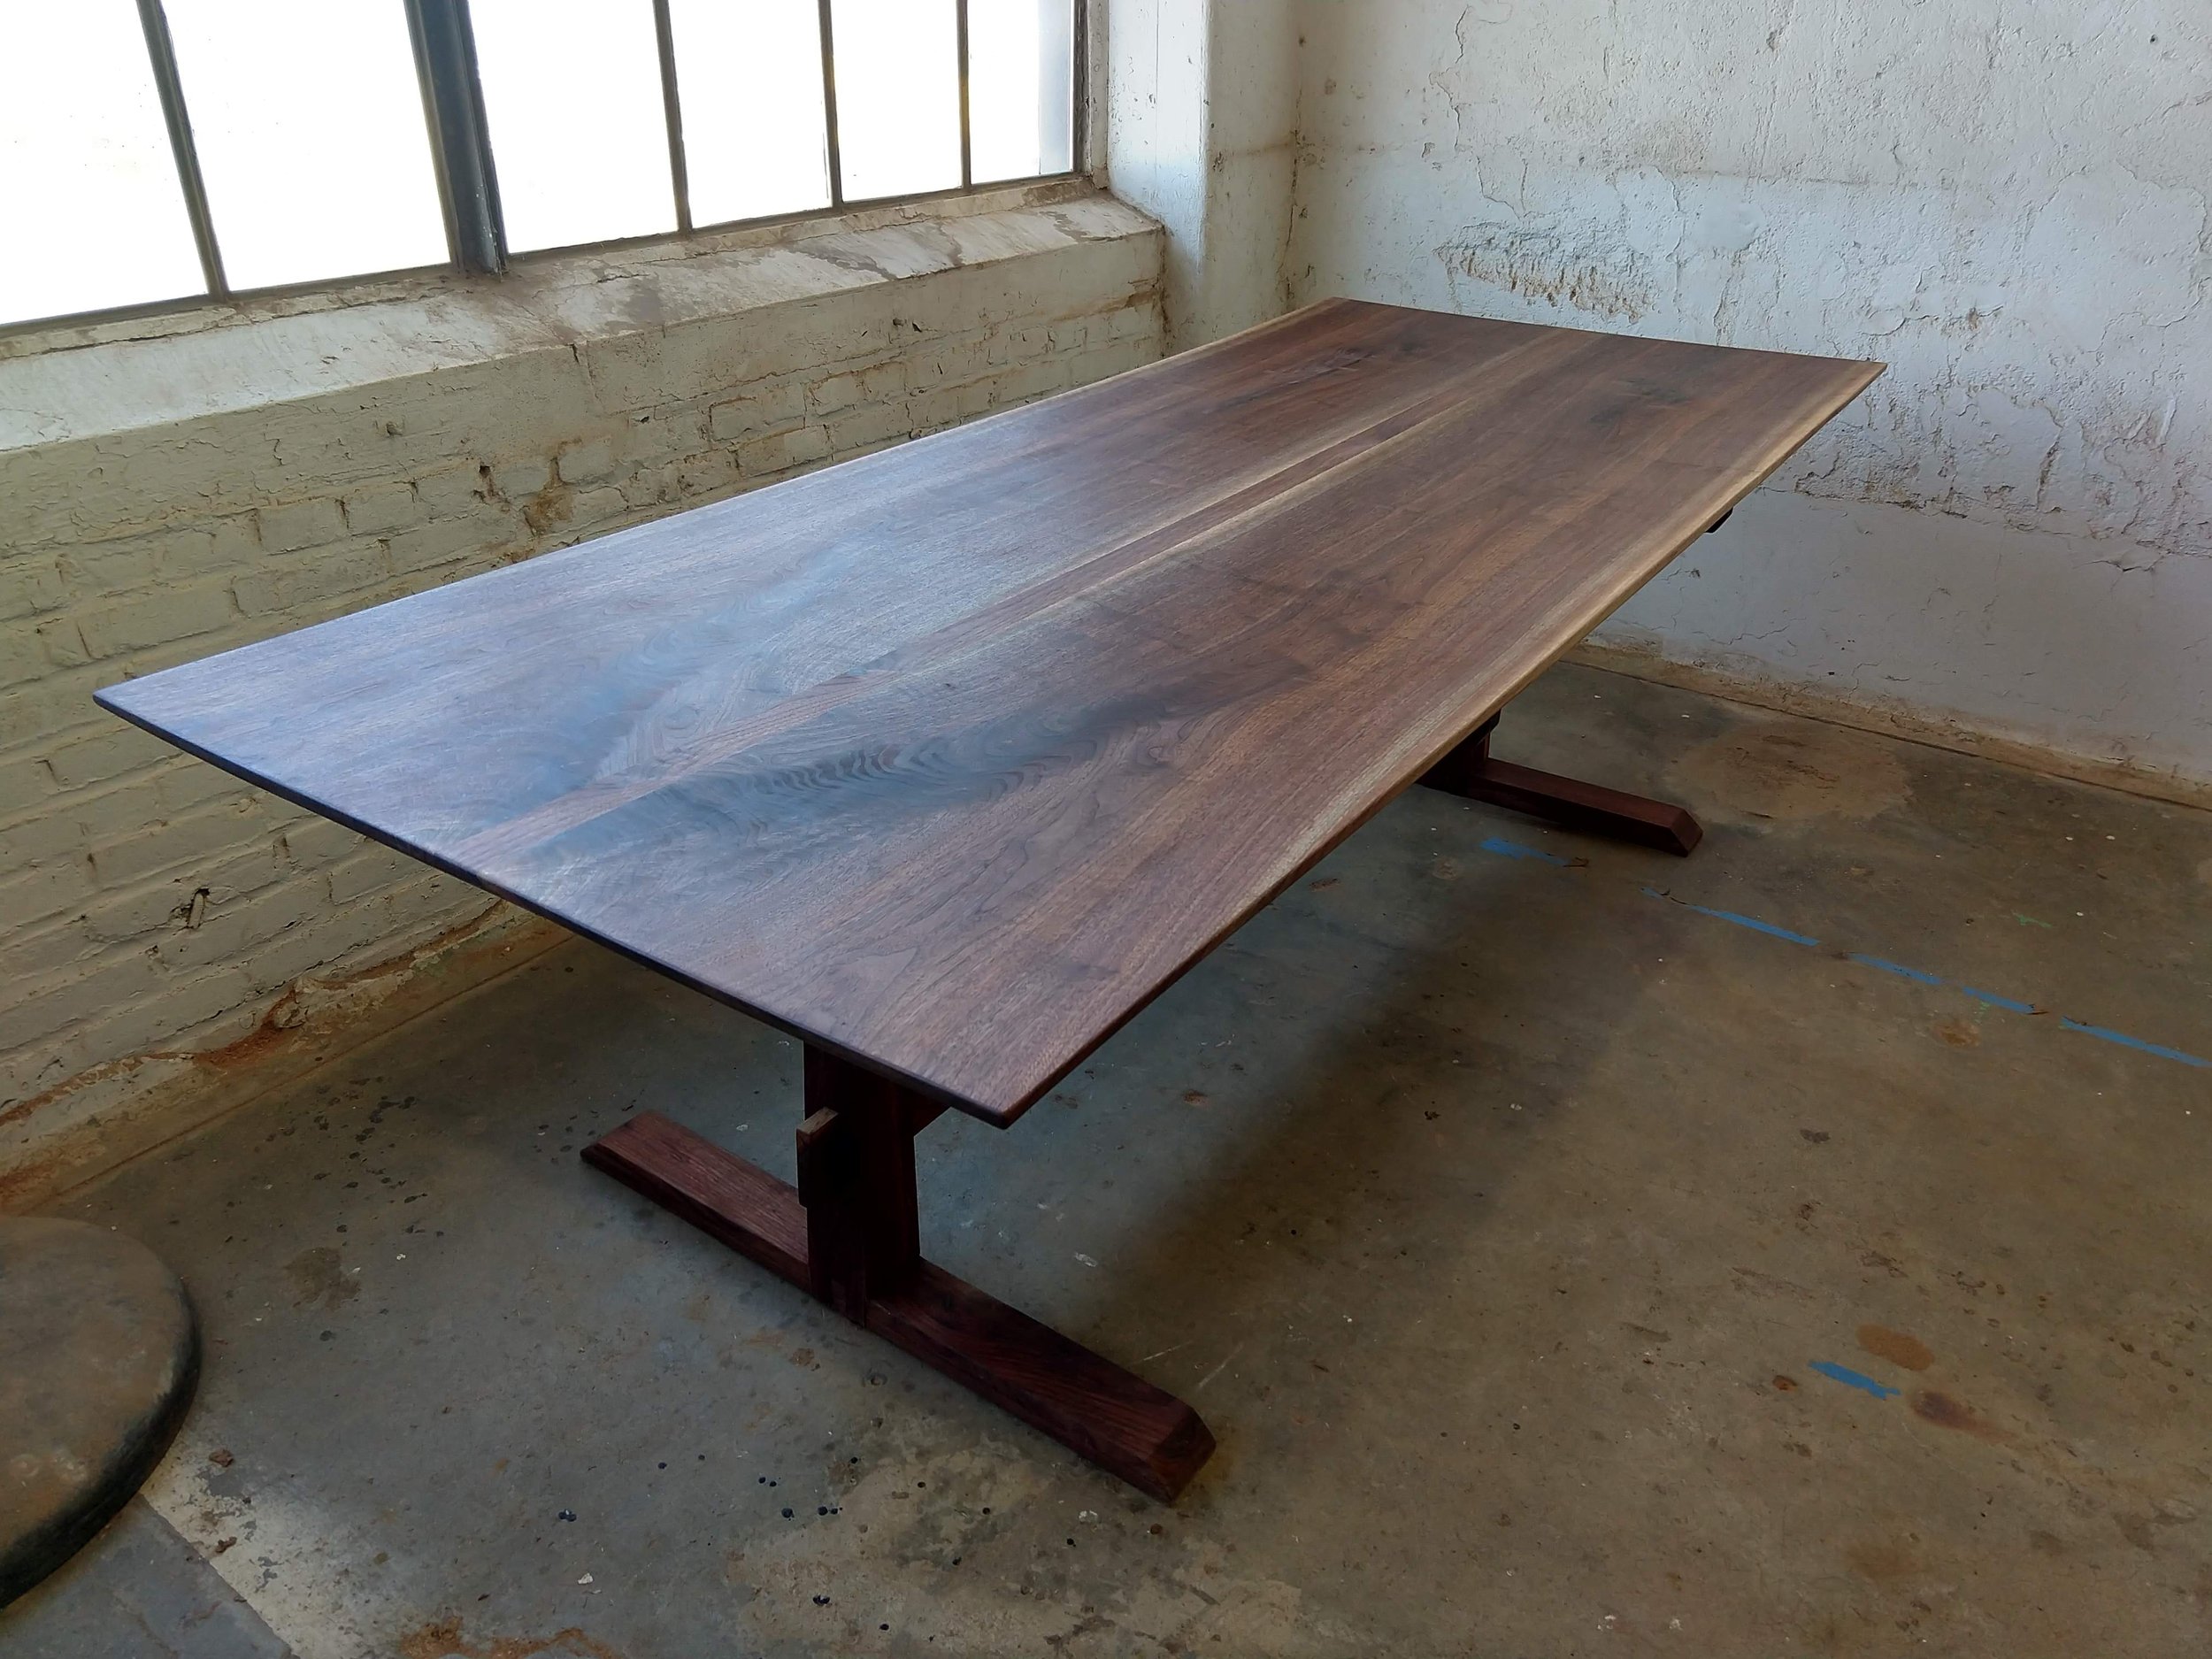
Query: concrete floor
(1577, 1251)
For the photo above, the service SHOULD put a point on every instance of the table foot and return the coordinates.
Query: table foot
(1089, 1404)
(1470, 770)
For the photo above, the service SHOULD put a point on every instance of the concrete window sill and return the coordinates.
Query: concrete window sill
(90, 379)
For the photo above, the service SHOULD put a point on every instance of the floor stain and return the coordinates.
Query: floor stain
(1883, 1561)
(1895, 1346)
(1771, 775)
(1946, 1413)
(319, 1278)
(443, 1639)
(1958, 1031)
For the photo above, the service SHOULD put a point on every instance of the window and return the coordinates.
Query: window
(154, 152)
(898, 68)
(310, 171)
(573, 97)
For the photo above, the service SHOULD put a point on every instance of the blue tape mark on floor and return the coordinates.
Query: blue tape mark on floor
(1897, 968)
(1995, 1000)
(1854, 1379)
(2126, 1041)
(1514, 849)
(1751, 922)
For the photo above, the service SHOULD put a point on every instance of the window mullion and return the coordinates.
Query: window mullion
(155, 22)
(672, 109)
(445, 58)
(967, 142)
(1079, 88)
(829, 105)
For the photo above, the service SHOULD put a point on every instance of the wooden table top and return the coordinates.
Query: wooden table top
(951, 757)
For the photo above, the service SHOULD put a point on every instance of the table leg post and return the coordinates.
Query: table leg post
(856, 1180)
(1471, 771)
(1460, 772)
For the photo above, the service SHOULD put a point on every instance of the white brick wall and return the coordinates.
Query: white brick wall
(124, 550)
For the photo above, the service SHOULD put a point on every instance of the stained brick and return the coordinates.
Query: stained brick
(586, 463)
(22, 657)
(317, 841)
(111, 567)
(110, 755)
(366, 873)
(524, 477)
(24, 783)
(45, 953)
(293, 586)
(60, 1003)
(158, 846)
(448, 539)
(226, 544)
(155, 619)
(30, 585)
(64, 642)
(839, 391)
(181, 1002)
(155, 907)
(454, 489)
(771, 409)
(382, 507)
(784, 450)
(44, 891)
(301, 524)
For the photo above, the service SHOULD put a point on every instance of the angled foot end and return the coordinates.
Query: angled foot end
(1471, 771)
(1091, 1405)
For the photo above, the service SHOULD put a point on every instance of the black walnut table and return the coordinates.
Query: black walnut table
(949, 759)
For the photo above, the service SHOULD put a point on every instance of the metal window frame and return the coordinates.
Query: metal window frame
(444, 45)
(671, 104)
(162, 52)
(460, 139)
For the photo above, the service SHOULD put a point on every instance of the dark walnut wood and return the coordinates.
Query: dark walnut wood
(847, 1233)
(950, 758)
(1472, 771)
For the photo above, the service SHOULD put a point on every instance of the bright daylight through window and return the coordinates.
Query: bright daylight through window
(158, 150)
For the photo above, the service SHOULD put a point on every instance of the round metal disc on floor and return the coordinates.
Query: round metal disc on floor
(98, 1353)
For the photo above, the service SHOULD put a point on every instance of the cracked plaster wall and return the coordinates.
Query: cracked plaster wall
(2005, 200)
(1200, 133)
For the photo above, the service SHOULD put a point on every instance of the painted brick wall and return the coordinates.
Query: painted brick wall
(151, 903)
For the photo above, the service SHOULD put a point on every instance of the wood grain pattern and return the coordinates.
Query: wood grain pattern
(733, 1202)
(951, 757)
(856, 1180)
(1059, 1387)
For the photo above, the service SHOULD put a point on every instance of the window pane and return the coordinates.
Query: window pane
(88, 190)
(898, 95)
(1021, 86)
(309, 124)
(751, 80)
(579, 139)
